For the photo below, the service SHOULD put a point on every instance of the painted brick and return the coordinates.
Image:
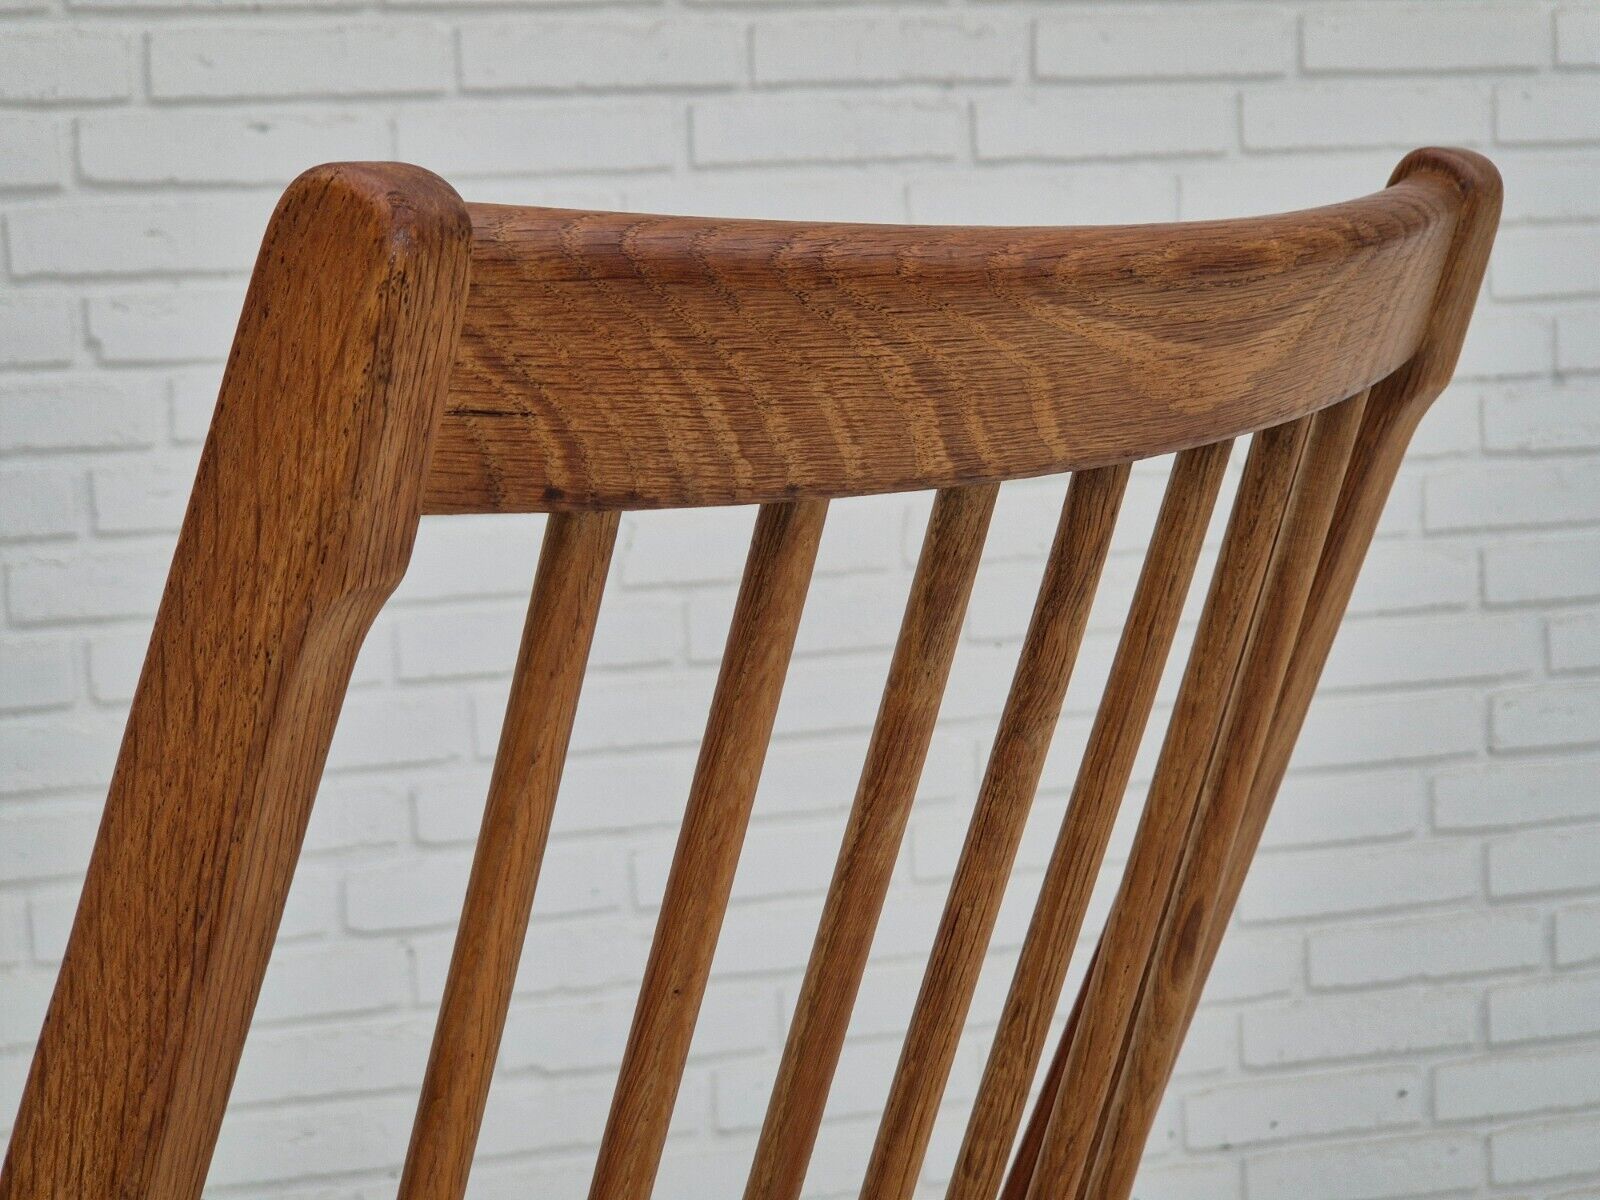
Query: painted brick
(825, 130)
(152, 237)
(30, 152)
(78, 412)
(1522, 494)
(1545, 262)
(1513, 1084)
(1369, 1170)
(585, 54)
(1545, 1008)
(1545, 860)
(1557, 112)
(1360, 1025)
(1313, 1105)
(1521, 419)
(39, 673)
(1578, 934)
(1093, 194)
(50, 65)
(1306, 883)
(1431, 649)
(38, 502)
(1364, 730)
(1577, 36)
(1575, 642)
(1548, 1151)
(1117, 122)
(1427, 948)
(86, 587)
(1344, 115)
(389, 58)
(1519, 571)
(1578, 340)
(920, 49)
(1446, 35)
(36, 331)
(1556, 715)
(256, 148)
(150, 499)
(1313, 810)
(1500, 796)
(50, 838)
(192, 325)
(506, 140)
(1152, 43)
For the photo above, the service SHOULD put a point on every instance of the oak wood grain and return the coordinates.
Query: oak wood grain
(760, 640)
(896, 753)
(505, 868)
(1016, 760)
(601, 361)
(300, 523)
(1172, 975)
(620, 360)
(1392, 412)
(1102, 780)
(1197, 718)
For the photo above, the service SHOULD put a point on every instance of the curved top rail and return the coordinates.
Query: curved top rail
(617, 360)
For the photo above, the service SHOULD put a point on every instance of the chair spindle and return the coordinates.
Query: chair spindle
(505, 867)
(761, 637)
(896, 753)
(1027, 724)
(1102, 781)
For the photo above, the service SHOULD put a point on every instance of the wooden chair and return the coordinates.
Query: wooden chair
(403, 353)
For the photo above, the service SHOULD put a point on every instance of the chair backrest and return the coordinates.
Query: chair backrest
(401, 352)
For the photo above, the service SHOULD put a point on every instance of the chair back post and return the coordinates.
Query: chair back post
(301, 522)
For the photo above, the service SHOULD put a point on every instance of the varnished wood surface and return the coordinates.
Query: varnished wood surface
(610, 361)
(1392, 412)
(620, 360)
(895, 756)
(1173, 974)
(1016, 760)
(1192, 735)
(1103, 776)
(760, 640)
(300, 523)
(505, 869)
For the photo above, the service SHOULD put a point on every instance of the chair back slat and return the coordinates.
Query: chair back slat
(1173, 973)
(761, 637)
(1197, 718)
(1102, 780)
(1016, 760)
(898, 748)
(439, 357)
(567, 587)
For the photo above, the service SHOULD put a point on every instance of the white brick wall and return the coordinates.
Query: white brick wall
(1410, 1001)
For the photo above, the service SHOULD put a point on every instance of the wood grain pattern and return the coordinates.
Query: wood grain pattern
(301, 522)
(618, 360)
(760, 640)
(1102, 780)
(901, 734)
(609, 361)
(1172, 974)
(505, 869)
(1027, 726)
(1392, 412)
(1197, 718)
